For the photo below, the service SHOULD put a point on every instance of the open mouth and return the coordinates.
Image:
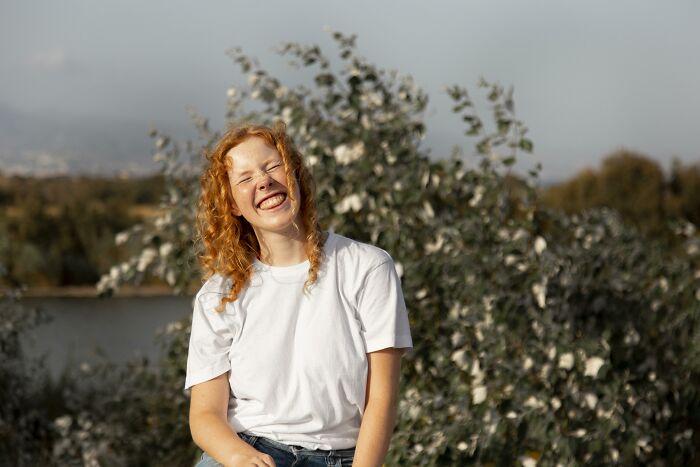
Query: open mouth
(272, 202)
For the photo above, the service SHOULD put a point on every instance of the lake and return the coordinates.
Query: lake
(119, 328)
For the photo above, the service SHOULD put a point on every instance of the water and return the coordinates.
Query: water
(82, 329)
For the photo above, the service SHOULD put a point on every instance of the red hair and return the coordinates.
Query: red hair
(229, 241)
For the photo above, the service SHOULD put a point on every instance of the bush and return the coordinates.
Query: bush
(25, 428)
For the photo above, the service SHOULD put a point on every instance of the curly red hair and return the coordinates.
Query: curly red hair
(229, 241)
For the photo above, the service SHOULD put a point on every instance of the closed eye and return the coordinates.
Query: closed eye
(274, 167)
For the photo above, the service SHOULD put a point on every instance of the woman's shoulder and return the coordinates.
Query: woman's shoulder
(347, 249)
(214, 286)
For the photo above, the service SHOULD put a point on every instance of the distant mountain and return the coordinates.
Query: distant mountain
(48, 144)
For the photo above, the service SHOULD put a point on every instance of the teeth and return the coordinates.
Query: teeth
(273, 202)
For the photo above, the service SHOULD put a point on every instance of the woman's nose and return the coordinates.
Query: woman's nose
(264, 181)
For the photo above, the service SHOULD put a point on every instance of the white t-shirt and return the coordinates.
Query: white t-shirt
(297, 362)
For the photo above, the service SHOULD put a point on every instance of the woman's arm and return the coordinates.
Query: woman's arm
(212, 433)
(380, 408)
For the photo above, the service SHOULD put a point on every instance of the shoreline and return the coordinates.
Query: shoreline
(88, 291)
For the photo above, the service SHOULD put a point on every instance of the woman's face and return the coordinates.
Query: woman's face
(259, 187)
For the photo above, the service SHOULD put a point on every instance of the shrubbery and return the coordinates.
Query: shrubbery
(540, 337)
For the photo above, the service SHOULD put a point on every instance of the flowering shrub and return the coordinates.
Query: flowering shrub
(540, 338)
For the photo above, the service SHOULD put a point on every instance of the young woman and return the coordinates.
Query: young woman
(297, 333)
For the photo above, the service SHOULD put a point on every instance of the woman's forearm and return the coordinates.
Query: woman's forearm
(214, 436)
(375, 433)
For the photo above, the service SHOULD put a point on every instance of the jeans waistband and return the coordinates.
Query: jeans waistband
(294, 449)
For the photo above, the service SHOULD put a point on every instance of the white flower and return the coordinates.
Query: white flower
(287, 115)
(170, 278)
(527, 363)
(364, 121)
(527, 461)
(511, 415)
(663, 284)
(345, 154)
(555, 403)
(552, 352)
(631, 337)
(476, 373)
(462, 446)
(534, 403)
(163, 221)
(566, 361)
(428, 209)
(591, 400)
(479, 395)
(614, 454)
(165, 249)
(478, 194)
(372, 99)
(460, 359)
(600, 413)
(593, 365)
(540, 292)
(540, 245)
(63, 423)
(432, 247)
(580, 433)
(231, 92)
(281, 92)
(146, 258)
(510, 260)
(520, 234)
(173, 327)
(352, 202)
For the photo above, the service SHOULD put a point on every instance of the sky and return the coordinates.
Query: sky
(83, 81)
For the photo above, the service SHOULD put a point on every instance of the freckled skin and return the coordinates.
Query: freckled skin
(258, 170)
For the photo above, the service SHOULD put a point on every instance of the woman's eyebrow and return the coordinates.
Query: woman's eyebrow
(246, 172)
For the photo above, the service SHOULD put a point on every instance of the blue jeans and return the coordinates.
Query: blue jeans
(291, 456)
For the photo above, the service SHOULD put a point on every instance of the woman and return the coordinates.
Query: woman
(296, 334)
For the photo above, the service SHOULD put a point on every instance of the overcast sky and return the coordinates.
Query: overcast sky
(82, 80)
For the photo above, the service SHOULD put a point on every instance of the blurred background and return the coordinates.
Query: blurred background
(106, 107)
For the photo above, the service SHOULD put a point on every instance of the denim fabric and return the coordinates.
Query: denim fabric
(291, 456)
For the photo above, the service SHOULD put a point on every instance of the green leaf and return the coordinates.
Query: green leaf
(526, 145)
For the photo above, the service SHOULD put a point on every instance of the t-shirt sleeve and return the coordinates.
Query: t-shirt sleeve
(210, 341)
(382, 310)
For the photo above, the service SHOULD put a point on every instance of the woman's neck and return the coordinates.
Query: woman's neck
(282, 249)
